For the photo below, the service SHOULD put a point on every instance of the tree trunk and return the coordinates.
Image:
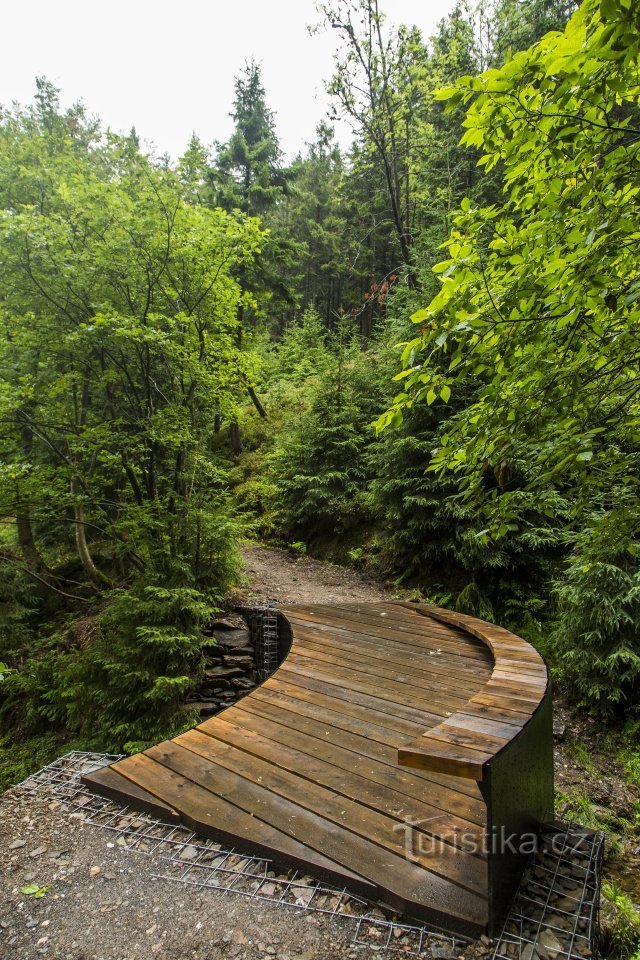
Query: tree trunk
(235, 439)
(89, 567)
(256, 402)
(29, 549)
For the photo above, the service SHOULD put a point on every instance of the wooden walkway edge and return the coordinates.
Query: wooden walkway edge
(398, 750)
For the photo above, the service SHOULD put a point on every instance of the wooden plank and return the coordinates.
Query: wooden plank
(415, 679)
(109, 783)
(450, 794)
(391, 640)
(341, 690)
(373, 745)
(369, 625)
(503, 714)
(350, 752)
(210, 814)
(527, 698)
(384, 625)
(493, 728)
(390, 691)
(381, 715)
(342, 829)
(374, 786)
(429, 754)
(384, 727)
(463, 737)
(499, 640)
(427, 664)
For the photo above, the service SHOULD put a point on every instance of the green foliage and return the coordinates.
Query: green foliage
(537, 316)
(248, 175)
(116, 679)
(319, 468)
(142, 307)
(596, 634)
(22, 755)
(119, 347)
(620, 935)
(130, 681)
(35, 891)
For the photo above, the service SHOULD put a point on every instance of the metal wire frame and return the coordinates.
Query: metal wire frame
(568, 855)
(263, 625)
(565, 870)
(208, 865)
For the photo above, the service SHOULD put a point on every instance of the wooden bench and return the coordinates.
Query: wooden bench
(399, 750)
(503, 739)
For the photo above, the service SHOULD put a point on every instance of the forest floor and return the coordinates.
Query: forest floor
(102, 902)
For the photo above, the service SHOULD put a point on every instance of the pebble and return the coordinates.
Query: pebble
(442, 951)
(38, 852)
(94, 871)
(17, 844)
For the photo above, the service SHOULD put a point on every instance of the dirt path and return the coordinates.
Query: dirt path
(275, 575)
(103, 902)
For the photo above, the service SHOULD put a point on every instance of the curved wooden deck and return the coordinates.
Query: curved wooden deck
(384, 752)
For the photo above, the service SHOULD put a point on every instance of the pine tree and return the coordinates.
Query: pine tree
(248, 173)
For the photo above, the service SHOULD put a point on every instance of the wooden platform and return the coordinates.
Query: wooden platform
(367, 759)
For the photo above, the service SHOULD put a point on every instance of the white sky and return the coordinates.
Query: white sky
(168, 68)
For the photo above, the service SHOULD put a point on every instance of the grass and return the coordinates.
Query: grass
(620, 927)
(581, 756)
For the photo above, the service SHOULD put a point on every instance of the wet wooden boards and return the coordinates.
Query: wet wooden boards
(366, 759)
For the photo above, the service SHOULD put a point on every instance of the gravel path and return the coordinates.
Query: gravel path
(104, 902)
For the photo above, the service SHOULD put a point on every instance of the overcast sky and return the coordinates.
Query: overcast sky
(168, 68)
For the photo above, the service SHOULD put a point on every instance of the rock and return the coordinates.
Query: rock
(208, 707)
(303, 897)
(241, 683)
(550, 944)
(94, 871)
(17, 844)
(223, 624)
(443, 951)
(239, 665)
(231, 638)
(188, 853)
(214, 674)
(530, 953)
(38, 852)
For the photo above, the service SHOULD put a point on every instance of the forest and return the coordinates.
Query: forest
(417, 357)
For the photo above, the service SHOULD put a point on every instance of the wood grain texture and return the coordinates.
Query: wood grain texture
(360, 759)
(473, 736)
